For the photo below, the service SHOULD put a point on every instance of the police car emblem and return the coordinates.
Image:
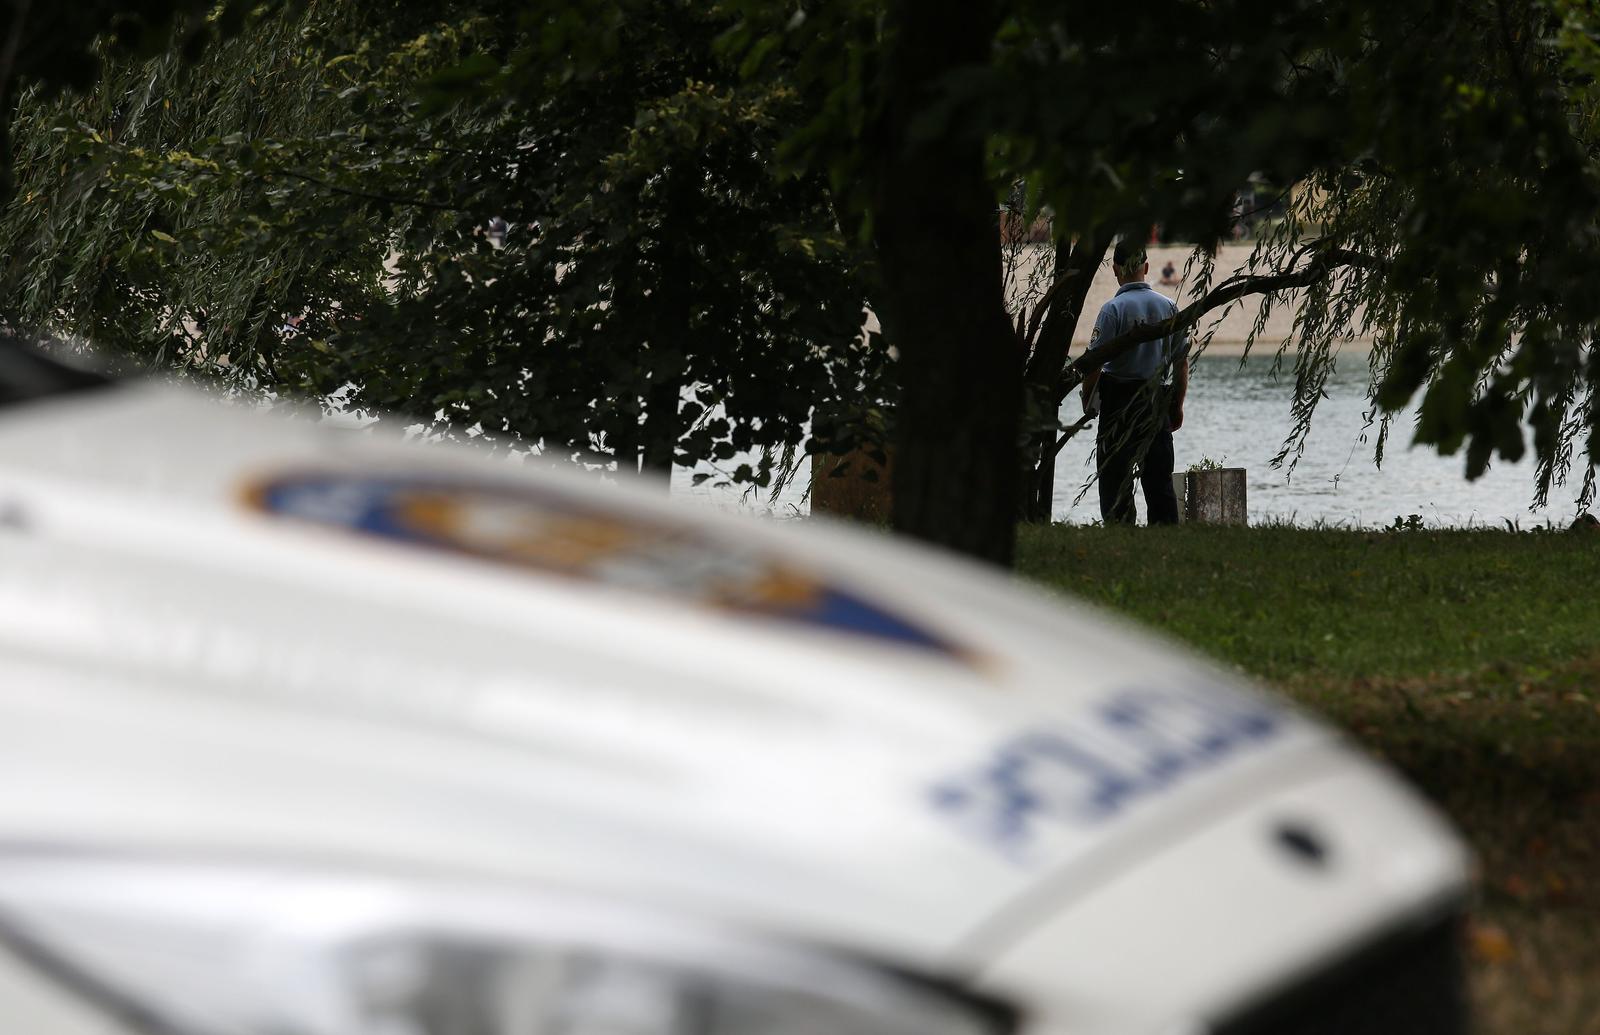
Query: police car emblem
(545, 530)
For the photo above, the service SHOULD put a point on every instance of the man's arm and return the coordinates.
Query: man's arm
(1090, 380)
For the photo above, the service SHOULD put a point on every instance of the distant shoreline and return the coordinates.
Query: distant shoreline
(1265, 346)
(1231, 330)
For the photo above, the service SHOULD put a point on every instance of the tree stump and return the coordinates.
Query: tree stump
(1216, 497)
(853, 485)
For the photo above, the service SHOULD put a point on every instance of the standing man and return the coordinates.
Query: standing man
(1140, 395)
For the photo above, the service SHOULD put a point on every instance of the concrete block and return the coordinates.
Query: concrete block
(853, 485)
(1216, 497)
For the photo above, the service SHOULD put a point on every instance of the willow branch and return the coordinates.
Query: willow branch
(1066, 436)
(1046, 301)
(351, 192)
(1230, 290)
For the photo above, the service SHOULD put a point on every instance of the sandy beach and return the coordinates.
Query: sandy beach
(1232, 329)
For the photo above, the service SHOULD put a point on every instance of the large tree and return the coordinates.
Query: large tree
(1447, 202)
(1436, 160)
(52, 46)
(564, 233)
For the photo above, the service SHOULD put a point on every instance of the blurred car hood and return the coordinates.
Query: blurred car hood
(227, 631)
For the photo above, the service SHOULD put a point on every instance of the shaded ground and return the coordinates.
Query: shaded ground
(1469, 659)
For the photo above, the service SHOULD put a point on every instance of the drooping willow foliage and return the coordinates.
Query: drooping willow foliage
(167, 231)
(592, 258)
(317, 208)
(1447, 210)
(1480, 301)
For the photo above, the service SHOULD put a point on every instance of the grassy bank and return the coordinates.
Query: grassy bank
(1470, 659)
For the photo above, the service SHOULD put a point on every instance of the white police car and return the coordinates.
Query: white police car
(310, 733)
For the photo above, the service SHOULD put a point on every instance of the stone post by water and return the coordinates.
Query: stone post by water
(1216, 497)
(854, 485)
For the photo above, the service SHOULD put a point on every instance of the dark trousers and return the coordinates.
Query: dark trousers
(1135, 432)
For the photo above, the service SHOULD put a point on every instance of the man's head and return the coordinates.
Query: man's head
(1128, 261)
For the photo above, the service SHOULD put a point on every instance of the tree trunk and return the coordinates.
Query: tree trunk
(1077, 264)
(661, 424)
(671, 307)
(938, 246)
(627, 446)
(1039, 485)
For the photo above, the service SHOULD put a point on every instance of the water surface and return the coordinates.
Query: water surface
(1239, 416)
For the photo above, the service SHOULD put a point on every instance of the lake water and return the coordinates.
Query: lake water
(1239, 417)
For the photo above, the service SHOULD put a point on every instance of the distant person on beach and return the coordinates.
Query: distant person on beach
(1138, 394)
(1169, 275)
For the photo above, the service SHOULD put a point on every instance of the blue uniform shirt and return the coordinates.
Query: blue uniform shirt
(1135, 304)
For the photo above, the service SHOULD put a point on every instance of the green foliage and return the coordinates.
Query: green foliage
(694, 196)
(307, 210)
(61, 45)
(1448, 147)
(49, 47)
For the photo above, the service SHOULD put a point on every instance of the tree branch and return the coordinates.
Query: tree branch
(368, 195)
(1276, 198)
(1228, 291)
(1051, 340)
(1066, 436)
(1045, 302)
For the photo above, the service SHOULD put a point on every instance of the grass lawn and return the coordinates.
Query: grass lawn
(1469, 659)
